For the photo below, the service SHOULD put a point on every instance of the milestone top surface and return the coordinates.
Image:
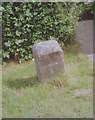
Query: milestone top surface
(45, 48)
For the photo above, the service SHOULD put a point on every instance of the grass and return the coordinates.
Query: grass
(70, 96)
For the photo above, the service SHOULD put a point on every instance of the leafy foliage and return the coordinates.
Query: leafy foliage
(84, 10)
(25, 23)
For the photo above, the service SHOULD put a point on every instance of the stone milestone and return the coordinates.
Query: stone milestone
(49, 59)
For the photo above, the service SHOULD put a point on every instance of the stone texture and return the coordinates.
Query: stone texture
(49, 59)
(84, 35)
(91, 57)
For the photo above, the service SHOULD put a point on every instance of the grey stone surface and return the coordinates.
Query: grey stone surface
(84, 35)
(91, 57)
(49, 59)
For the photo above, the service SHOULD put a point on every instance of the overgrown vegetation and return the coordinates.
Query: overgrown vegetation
(64, 97)
(84, 10)
(29, 22)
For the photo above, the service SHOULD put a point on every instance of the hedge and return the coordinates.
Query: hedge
(25, 23)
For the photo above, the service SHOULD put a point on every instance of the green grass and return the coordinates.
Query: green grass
(70, 96)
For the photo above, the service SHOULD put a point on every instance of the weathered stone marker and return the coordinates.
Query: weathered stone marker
(49, 59)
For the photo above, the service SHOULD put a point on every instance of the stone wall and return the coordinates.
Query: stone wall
(84, 35)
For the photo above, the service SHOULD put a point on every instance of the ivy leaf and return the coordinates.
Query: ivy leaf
(26, 57)
(7, 29)
(16, 24)
(1, 8)
(17, 33)
(18, 41)
(28, 12)
(35, 13)
(9, 34)
(6, 55)
(7, 44)
(30, 56)
(16, 8)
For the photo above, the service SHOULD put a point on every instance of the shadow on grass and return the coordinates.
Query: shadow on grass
(23, 82)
